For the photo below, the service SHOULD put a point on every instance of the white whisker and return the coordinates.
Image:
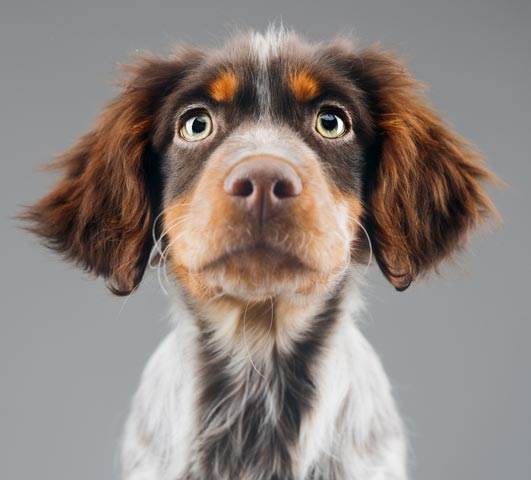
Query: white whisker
(272, 317)
(163, 261)
(370, 244)
(158, 243)
(154, 228)
(245, 341)
(122, 307)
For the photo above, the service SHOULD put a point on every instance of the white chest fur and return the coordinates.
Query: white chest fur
(352, 430)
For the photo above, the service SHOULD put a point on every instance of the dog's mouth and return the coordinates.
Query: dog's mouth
(258, 270)
(260, 255)
(300, 253)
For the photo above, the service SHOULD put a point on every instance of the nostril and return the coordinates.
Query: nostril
(283, 189)
(286, 188)
(242, 188)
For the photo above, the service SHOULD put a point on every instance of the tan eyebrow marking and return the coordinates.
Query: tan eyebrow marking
(223, 87)
(304, 85)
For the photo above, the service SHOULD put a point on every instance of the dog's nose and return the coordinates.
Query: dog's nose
(262, 185)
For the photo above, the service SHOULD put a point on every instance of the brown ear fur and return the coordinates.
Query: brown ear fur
(424, 181)
(99, 215)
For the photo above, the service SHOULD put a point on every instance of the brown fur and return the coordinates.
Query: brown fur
(420, 181)
(266, 289)
(424, 193)
(304, 86)
(211, 225)
(224, 87)
(99, 214)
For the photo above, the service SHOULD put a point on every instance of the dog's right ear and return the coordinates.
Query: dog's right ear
(100, 214)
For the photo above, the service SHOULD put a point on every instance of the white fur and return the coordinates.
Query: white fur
(265, 47)
(157, 435)
(354, 430)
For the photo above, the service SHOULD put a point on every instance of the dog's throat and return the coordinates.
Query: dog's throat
(250, 411)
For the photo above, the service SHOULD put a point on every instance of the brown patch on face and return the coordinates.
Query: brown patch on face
(173, 224)
(223, 88)
(304, 85)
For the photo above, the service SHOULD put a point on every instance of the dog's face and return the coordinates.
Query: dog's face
(262, 156)
(257, 167)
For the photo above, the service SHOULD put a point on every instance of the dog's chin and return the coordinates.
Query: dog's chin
(257, 259)
(261, 272)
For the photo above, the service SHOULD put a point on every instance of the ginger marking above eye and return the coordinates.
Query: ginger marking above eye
(304, 85)
(223, 88)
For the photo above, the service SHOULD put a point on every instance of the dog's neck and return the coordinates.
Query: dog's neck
(257, 329)
(258, 363)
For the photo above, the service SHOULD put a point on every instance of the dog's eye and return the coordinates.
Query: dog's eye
(330, 125)
(197, 127)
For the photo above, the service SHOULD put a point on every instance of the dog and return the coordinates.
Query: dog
(262, 178)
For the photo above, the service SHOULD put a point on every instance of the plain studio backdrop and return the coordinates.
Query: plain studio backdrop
(457, 348)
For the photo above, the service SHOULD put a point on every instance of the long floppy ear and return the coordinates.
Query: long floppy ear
(424, 191)
(100, 213)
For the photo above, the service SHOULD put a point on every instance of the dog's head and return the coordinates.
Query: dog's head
(258, 166)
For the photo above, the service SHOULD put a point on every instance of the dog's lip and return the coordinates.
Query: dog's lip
(259, 248)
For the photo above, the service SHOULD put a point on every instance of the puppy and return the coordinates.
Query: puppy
(262, 178)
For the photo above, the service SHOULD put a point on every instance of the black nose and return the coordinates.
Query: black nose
(262, 185)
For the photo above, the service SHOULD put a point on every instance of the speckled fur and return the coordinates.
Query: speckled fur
(265, 374)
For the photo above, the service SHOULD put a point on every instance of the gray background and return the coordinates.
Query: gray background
(457, 348)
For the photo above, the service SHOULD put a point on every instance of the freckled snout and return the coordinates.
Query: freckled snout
(262, 186)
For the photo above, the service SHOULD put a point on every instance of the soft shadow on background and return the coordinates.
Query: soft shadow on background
(456, 348)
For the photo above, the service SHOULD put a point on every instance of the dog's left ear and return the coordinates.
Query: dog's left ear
(100, 213)
(424, 191)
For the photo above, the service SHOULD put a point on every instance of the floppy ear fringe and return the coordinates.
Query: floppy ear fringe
(425, 191)
(99, 215)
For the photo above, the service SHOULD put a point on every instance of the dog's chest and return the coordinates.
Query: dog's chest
(250, 420)
(322, 412)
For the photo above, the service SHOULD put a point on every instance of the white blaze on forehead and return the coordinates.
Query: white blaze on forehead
(265, 47)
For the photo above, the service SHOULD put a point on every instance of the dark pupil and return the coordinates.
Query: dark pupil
(329, 122)
(199, 125)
